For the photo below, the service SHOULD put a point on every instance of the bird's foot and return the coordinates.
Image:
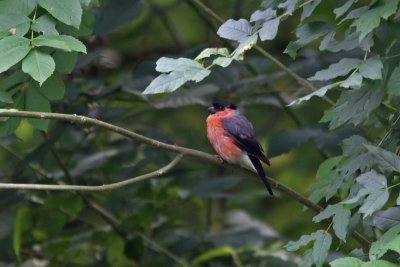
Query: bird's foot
(219, 158)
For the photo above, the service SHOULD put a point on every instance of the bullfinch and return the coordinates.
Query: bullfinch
(233, 138)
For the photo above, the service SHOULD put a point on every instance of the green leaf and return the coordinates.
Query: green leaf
(387, 160)
(9, 126)
(68, 12)
(45, 24)
(166, 83)
(349, 42)
(375, 187)
(244, 45)
(387, 219)
(369, 20)
(182, 70)
(379, 263)
(346, 262)
(53, 88)
(309, 8)
(63, 42)
(393, 85)
(115, 252)
(214, 253)
(67, 203)
(327, 180)
(236, 30)
(388, 241)
(304, 240)
(306, 34)
(65, 61)
(206, 53)
(24, 7)
(342, 68)
(263, 15)
(223, 61)
(353, 81)
(321, 247)
(269, 29)
(35, 101)
(6, 97)
(39, 65)
(372, 69)
(320, 92)
(354, 145)
(20, 225)
(85, 29)
(341, 219)
(353, 106)
(19, 22)
(12, 50)
(343, 9)
(166, 64)
(372, 180)
(375, 201)
(289, 6)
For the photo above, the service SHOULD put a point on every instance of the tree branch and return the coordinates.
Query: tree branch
(91, 188)
(174, 148)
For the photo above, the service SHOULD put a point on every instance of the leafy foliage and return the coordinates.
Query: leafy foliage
(197, 214)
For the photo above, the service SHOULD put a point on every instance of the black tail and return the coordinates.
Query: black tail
(257, 164)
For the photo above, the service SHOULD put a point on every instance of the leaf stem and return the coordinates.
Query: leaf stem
(393, 185)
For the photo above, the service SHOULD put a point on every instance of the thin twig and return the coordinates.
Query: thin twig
(90, 188)
(115, 224)
(174, 148)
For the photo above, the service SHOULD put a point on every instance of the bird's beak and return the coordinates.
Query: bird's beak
(211, 110)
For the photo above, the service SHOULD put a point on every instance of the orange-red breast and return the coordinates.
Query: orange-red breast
(233, 138)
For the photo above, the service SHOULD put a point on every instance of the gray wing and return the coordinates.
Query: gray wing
(242, 132)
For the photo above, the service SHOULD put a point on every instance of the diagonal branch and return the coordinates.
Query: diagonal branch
(174, 148)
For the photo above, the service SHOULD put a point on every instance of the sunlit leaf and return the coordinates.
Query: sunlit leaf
(263, 15)
(269, 29)
(213, 51)
(236, 30)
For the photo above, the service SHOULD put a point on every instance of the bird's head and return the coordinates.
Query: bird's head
(218, 107)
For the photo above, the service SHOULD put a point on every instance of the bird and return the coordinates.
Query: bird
(233, 137)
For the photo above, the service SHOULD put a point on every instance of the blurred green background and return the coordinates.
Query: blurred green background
(195, 209)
